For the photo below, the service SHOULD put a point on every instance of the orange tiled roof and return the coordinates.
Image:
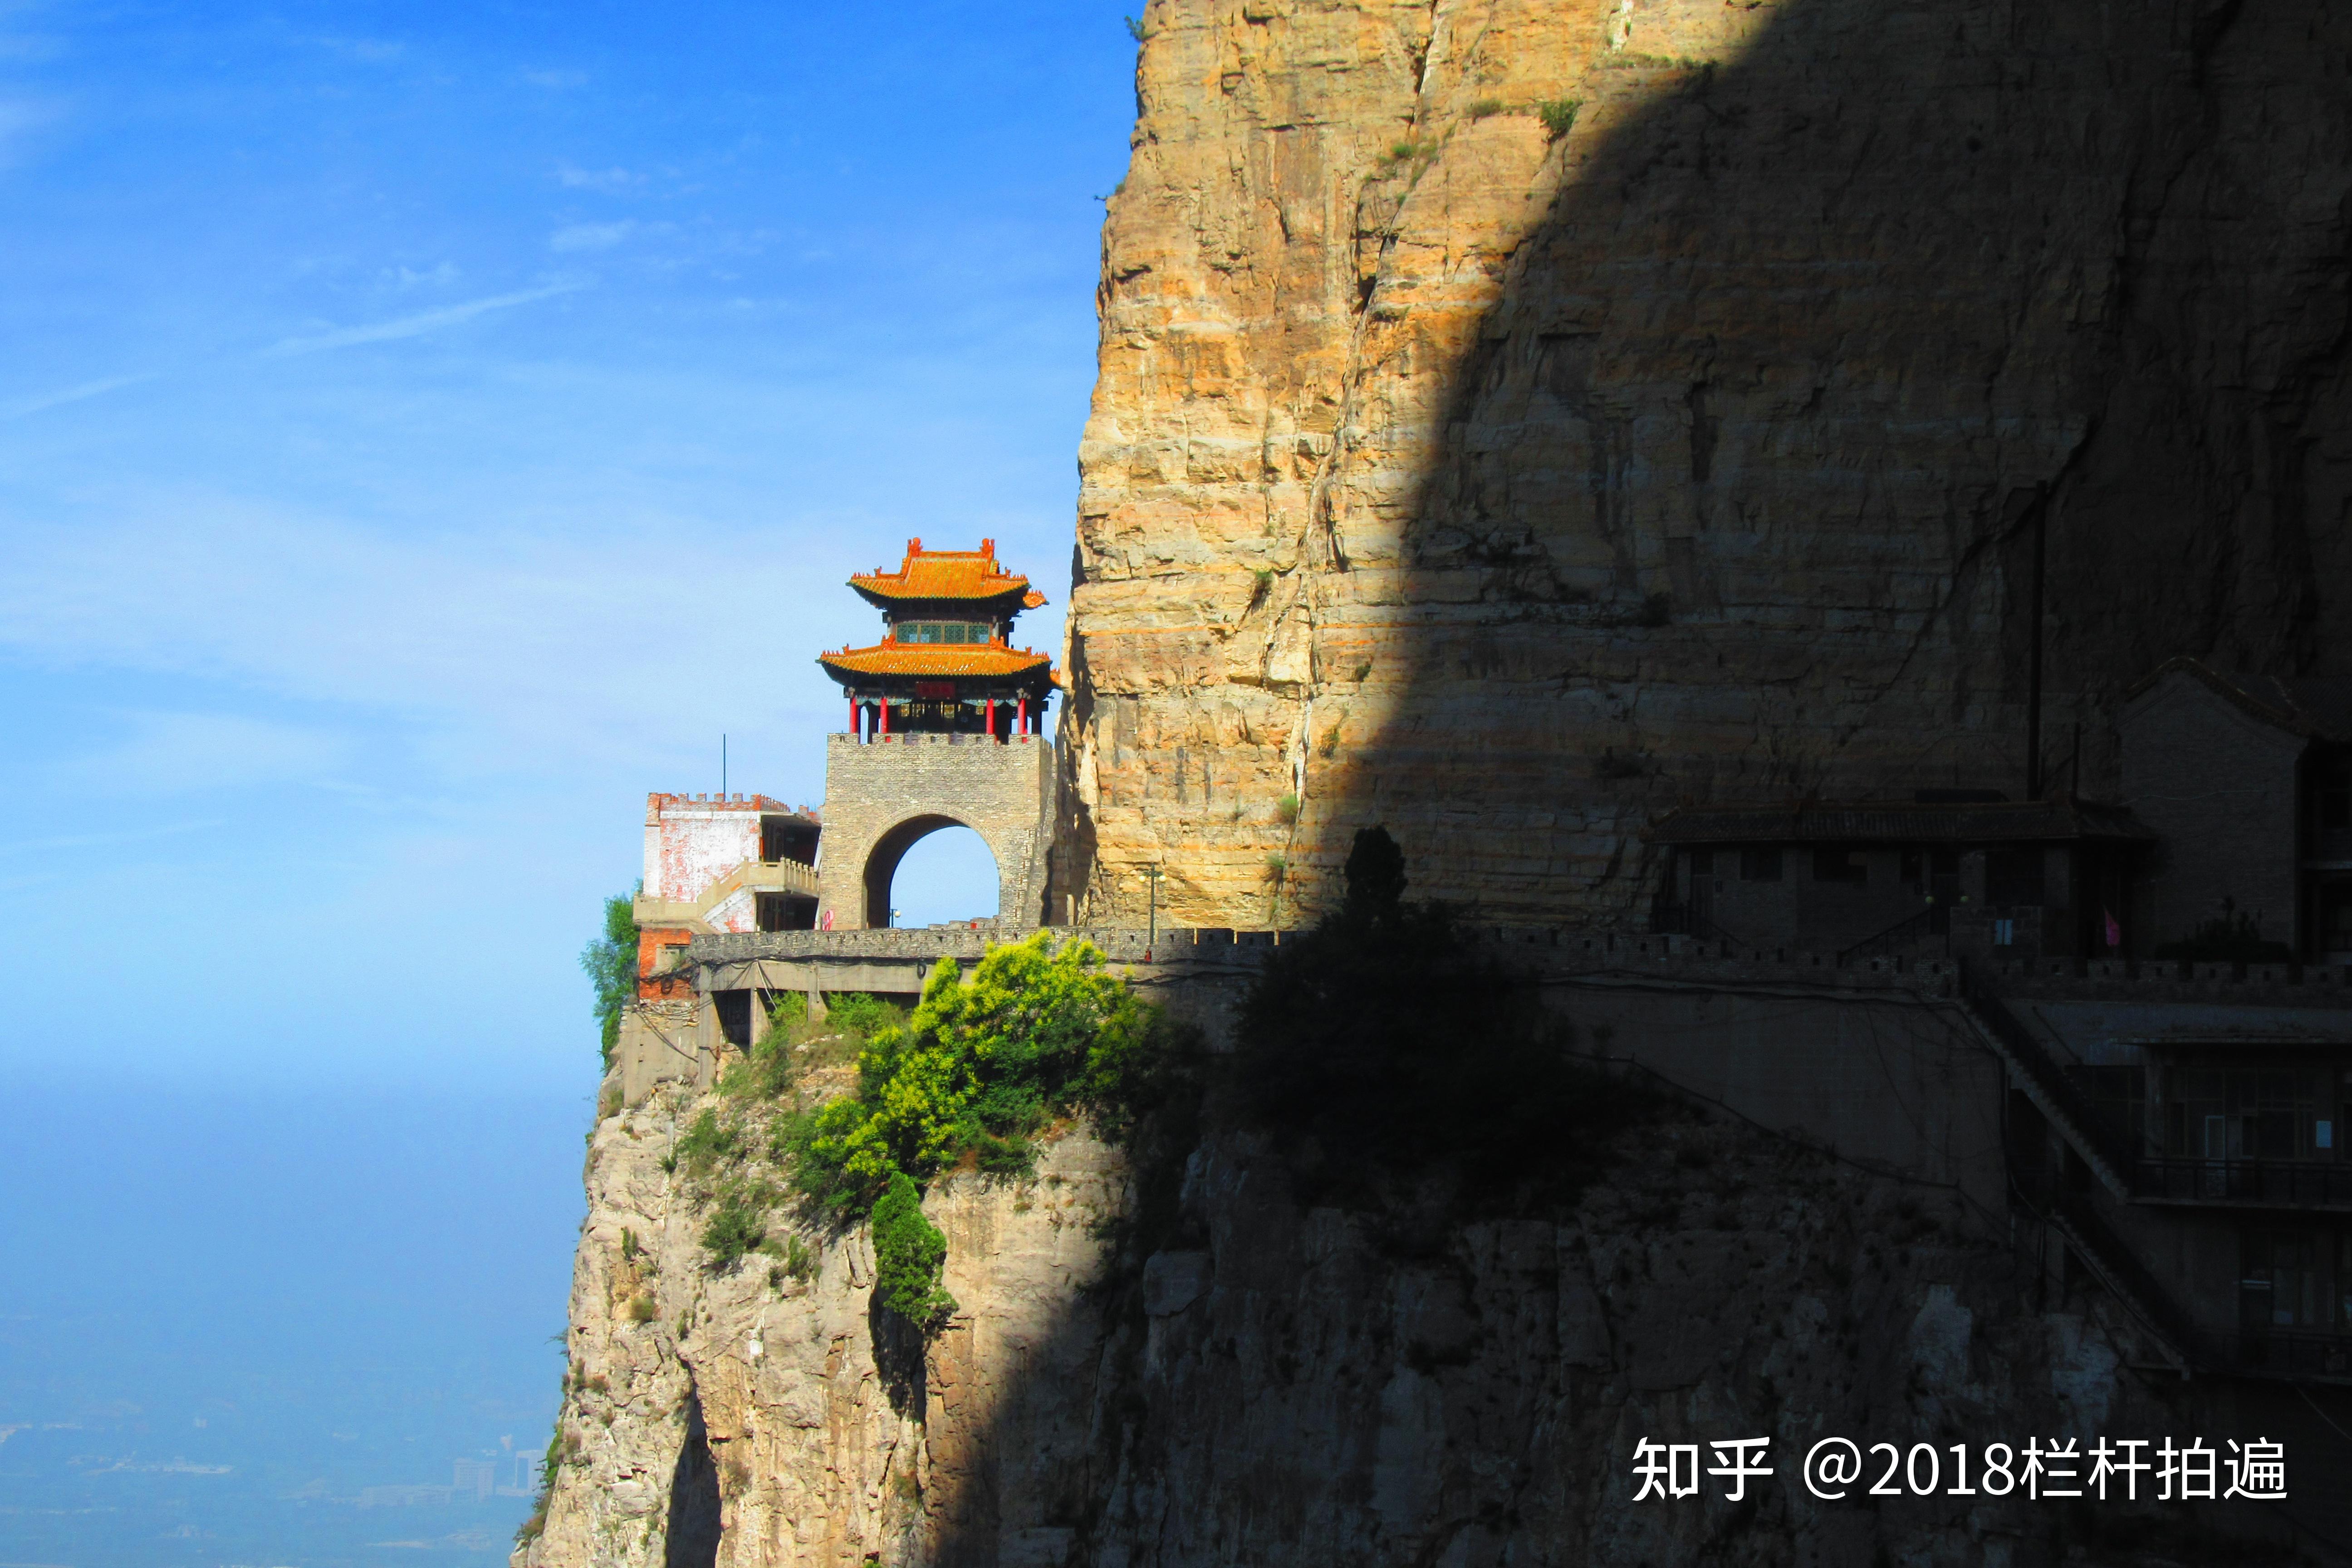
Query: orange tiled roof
(936, 659)
(948, 575)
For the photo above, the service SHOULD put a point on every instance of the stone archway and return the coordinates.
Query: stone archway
(883, 795)
(882, 860)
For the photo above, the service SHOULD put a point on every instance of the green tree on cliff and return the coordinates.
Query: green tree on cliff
(908, 1253)
(980, 1069)
(610, 961)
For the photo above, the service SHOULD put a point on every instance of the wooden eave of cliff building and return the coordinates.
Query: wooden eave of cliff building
(1899, 821)
(934, 661)
(958, 581)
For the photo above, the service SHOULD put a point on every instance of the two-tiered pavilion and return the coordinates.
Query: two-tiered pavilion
(945, 662)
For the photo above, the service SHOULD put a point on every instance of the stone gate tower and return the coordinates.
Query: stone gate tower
(945, 729)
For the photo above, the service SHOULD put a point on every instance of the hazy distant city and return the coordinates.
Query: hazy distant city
(474, 1480)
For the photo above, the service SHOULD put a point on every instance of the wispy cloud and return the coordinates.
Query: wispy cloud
(138, 834)
(439, 277)
(19, 117)
(487, 651)
(373, 51)
(21, 406)
(166, 754)
(590, 235)
(613, 179)
(411, 326)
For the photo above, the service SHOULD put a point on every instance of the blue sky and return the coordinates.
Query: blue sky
(424, 429)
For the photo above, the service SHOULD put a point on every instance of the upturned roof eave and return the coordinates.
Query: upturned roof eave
(1012, 596)
(1014, 665)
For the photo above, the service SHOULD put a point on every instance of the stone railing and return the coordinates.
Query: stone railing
(2166, 980)
(750, 876)
(1118, 944)
(935, 738)
(1557, 951)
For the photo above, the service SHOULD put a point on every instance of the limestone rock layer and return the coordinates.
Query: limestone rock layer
(1518, 415)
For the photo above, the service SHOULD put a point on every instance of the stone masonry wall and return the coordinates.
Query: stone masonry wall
(879, 796)
(2219, 785)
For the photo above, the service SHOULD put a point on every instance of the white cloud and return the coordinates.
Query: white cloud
(411, 326)
(19, 407)
(439, 277)
(613, 179)
(592, 235)
(165, 753)
(491, 653)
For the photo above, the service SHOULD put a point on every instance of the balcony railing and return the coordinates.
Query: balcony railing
(2277, 1183)
(2296, 1353)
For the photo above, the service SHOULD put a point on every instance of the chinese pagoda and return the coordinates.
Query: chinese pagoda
(944, 663)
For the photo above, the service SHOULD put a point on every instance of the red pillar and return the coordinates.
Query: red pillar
(1021, 718)
(884, 731)
(991, 705)
(853, 715)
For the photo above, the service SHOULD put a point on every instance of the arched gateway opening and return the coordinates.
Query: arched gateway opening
(953, 873)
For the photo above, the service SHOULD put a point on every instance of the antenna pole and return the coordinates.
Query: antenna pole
(722, 764)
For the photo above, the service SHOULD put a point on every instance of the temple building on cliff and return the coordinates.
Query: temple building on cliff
(945, 664)
(947, 729)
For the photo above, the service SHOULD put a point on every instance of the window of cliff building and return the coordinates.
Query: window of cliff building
(2014, 876)
(943, 632)
(2335, 919)
(2283, 1284)
(1760, 863)
(1831, 864)
(2285, 1110)
(2336, 794)
(787, 838)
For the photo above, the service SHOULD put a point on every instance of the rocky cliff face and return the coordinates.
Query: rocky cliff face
(1516, 415)
(1222, 1374)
